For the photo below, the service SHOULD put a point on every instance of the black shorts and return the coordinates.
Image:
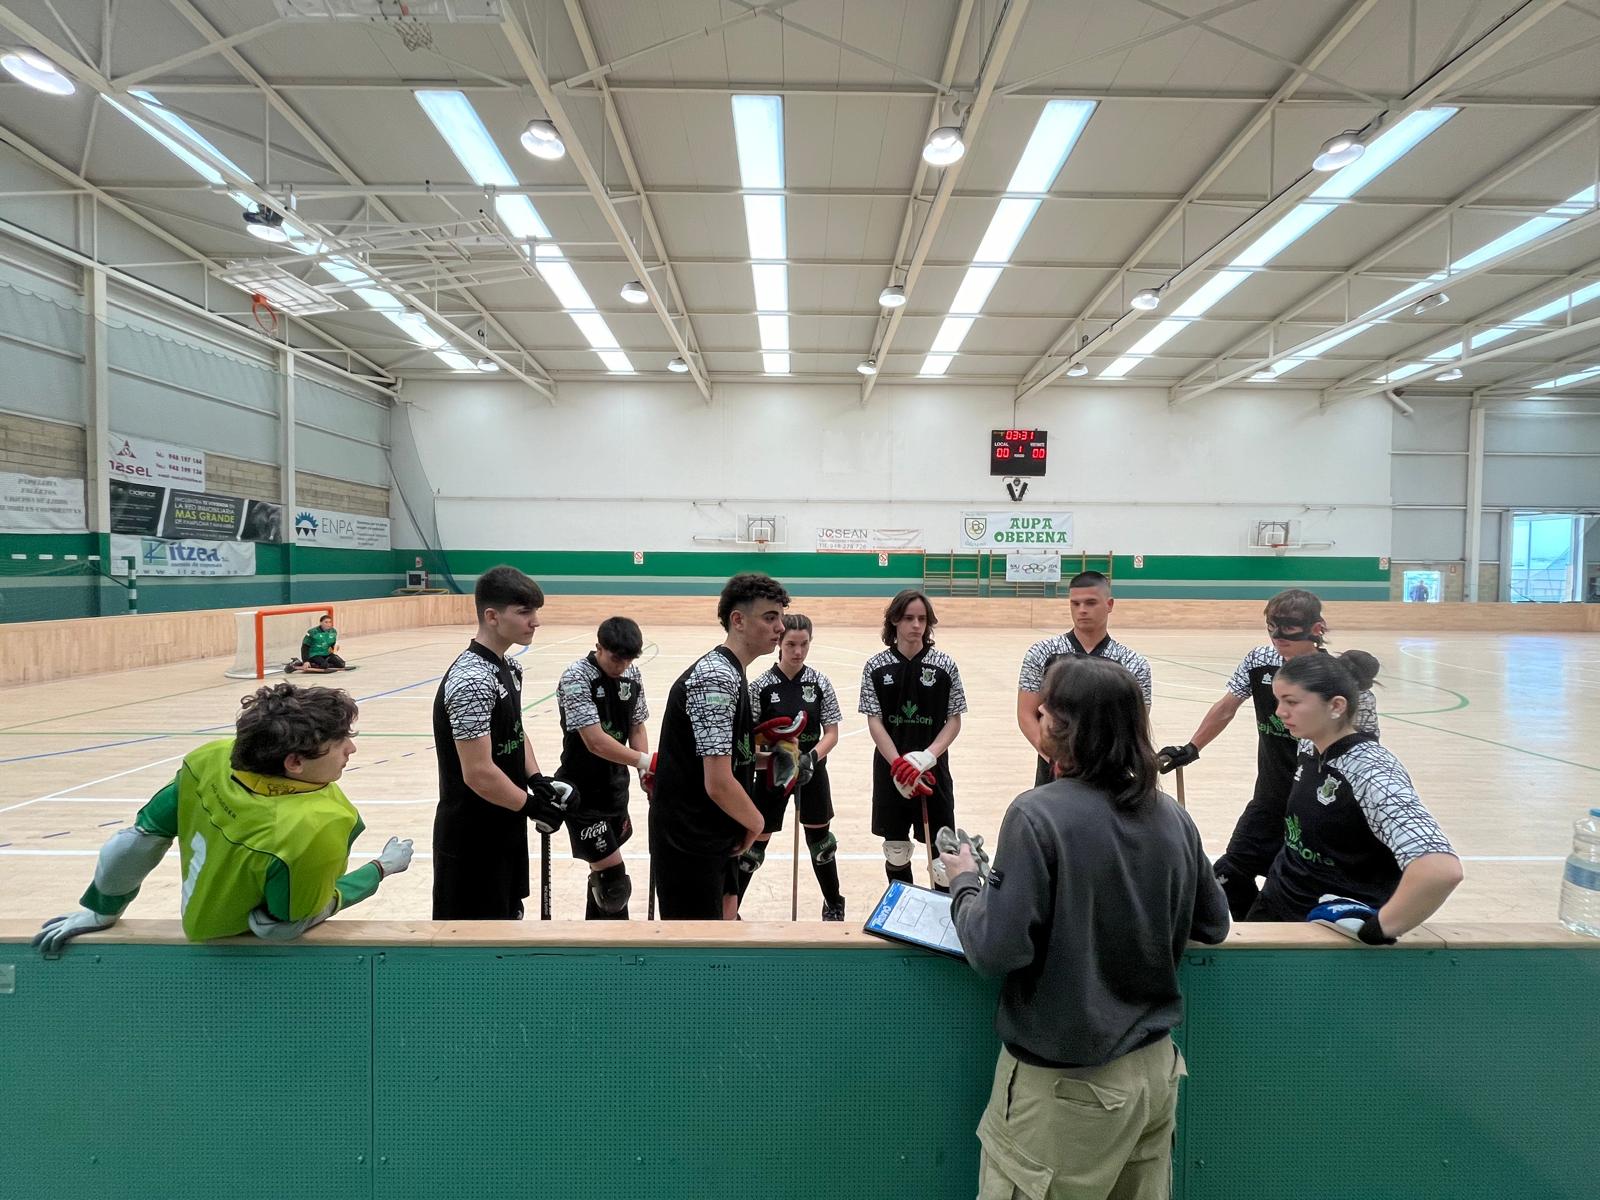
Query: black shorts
(595, 836)
(466, 888)
(690, 887)
(816, 802)
(896, 819)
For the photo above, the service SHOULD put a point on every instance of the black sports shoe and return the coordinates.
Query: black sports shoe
(833, 912)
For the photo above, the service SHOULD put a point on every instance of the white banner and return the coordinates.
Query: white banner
(1033, 568)
(344, 531)
(858, 537)
(139, 460)
(1016, 530)
(31, 502)
(188, 557)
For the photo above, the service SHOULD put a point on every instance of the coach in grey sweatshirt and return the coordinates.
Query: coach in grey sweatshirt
(1099, 882)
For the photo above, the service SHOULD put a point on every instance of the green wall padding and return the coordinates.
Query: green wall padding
(359, 1073)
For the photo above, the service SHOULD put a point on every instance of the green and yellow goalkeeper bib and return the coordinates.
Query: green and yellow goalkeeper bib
(235, 825)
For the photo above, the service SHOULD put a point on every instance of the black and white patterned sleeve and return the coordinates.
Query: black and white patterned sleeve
(641, 710)
(1367, 713)
(470, 692)
(868, 704)
(1031, 677)
(711, 695)
(831, 713)
(957, 703)
(756, 687)
(1394, 811)
(575, 696)
(1139, 666)
(1239, 681)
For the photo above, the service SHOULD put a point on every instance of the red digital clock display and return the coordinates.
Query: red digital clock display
(1018, 451)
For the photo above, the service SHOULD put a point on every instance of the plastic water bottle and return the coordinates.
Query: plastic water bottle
(1580, 881)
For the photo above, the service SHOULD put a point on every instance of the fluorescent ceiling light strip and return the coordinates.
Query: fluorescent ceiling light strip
(1569, 380)
(975, 287)
(772, 286)
(456, 362)
(758, 135)
(617, 362)
(464, 132)
(764, 225)
(1054, 136)
(593, 327)
(775, 364)
(384, 302)
(1295, 224)
(774, 328)
(952, 333)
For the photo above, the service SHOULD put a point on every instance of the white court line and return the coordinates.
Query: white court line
(78, 787)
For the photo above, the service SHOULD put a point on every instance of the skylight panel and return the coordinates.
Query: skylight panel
(975, 287)
(758, 134)
(936, 364)
(952, 333)
(1052, 140)
(764, 225)
(774, 329)
(1010, 221)
(617, 362)
(758, 138)
(775, 364)
(772, 286)
(1568, 380)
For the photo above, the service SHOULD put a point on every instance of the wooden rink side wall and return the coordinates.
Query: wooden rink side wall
(37, 651)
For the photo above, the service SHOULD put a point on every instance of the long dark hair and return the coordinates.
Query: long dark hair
(1329, 675)
(1101, 729)
(897, 609)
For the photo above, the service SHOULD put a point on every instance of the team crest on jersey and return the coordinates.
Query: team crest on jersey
(888, 678)
(1266, 678)
(1328, 791)
(599, 692)
(927, 676)
(774, 698)
(808, 694)
(625, 689)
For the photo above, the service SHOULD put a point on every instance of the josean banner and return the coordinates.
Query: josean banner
(342, 531)
(1015, 530)
(864, 538)
(139, 460)
(33, 502)
(188, 557)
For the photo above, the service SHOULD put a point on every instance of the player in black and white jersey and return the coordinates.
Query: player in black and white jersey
(1359, 852)
(912, 697)
(1089, 594)
(490, 786)
(787, 688)
(701, 814)
(1296, 628)
(600, 699)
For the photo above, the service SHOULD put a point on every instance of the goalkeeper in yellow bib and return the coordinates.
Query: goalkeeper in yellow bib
(263, 830)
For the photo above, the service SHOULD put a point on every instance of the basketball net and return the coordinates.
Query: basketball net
(266, 316)
(414, 35)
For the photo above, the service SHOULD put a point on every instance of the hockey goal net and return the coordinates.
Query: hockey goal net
(267, 638)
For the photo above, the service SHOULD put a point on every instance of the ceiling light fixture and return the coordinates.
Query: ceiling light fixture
(893, 296)
(265, 223)
(543, 140)
(944, 146)
(1450, 376)
(487, 364)
(1078, 370)
(28, 66)
(1339, 151)
(867, 366)
(677, 366)
(1146, 300)
(1428, 302)
(634, 292)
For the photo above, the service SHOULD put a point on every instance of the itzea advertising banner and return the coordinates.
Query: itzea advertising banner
(153, 556)
(148, 510)
(342, 531)
(1016, 530)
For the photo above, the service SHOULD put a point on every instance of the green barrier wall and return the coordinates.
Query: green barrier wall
(364, 1072)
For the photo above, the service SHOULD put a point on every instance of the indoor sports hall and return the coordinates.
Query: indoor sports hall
(315, 312)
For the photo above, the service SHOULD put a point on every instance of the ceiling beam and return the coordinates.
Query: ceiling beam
(994, 57)
(134, 78)
(544, 386)
(630, 167)
(1214, 374)
(528, 59)
(1116, 284)
(1496, 38)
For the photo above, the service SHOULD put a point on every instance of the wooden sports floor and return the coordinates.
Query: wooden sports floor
(1498, 732)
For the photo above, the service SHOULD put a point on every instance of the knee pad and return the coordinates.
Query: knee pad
(823, 845)
(750, 861)
(897, 854)
(611, 888)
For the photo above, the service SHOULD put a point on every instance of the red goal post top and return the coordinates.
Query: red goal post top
(261, 614)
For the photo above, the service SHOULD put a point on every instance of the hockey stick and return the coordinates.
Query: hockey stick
(1181, 803)
(544, 876)
(794, 878)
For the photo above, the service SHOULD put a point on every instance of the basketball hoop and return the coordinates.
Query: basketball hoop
(414, 35)
(761, 544)
(266, 316)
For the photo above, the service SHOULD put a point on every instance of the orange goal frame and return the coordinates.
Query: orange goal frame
(261, 633)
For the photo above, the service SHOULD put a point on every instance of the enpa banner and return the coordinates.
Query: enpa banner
(1013, 530)
(342, 531)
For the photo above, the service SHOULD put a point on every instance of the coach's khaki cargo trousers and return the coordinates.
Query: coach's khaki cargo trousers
(1090, 1133)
